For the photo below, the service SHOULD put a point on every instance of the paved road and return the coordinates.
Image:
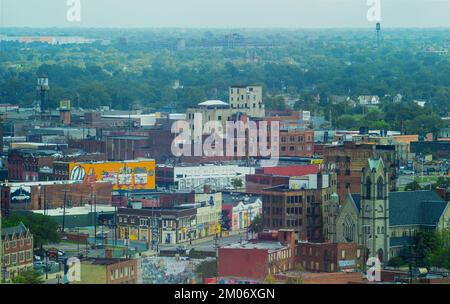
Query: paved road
(403, 180)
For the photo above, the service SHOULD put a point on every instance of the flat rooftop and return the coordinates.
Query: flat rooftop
(86, 209)
(264, 245)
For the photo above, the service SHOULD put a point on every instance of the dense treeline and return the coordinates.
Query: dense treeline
(139, 71)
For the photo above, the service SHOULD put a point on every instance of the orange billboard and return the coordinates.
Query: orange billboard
(124, 175)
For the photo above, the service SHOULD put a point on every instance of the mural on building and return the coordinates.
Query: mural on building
(123, 175)
(20, 195)
(167, 270)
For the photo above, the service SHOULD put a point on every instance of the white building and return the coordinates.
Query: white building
(369, 100)
(218, 177)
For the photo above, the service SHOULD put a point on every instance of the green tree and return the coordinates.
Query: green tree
(28, 276)
(237, 183)
(439, 256)
(396, 262)
(44, 228)
(347, 121)
(207, 269)
(257, 224)
(413, 186)
(424, 124)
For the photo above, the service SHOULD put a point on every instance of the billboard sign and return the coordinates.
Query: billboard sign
(138, 174)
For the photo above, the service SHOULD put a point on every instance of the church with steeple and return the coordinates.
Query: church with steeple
(383, 222)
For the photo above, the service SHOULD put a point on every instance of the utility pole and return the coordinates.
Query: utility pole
(45, 202)
(64, 210)
(78, 241)
(115, 225)
(95, 219)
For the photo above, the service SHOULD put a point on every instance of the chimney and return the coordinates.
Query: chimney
(287, 237)
(65, 117)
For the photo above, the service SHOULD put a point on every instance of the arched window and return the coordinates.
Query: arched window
(380, 188)
(368, 187)
(349, 229)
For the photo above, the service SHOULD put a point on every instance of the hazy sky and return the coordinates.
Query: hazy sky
(225, 13)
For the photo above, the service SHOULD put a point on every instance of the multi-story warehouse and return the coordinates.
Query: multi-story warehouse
(298, 206)
(247, 99)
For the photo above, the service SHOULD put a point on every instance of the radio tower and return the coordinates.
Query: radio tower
(378, 28)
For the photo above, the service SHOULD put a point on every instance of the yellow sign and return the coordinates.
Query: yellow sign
(124, 175)
(316, 161)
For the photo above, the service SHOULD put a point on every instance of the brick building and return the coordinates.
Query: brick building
(271, 253)
(108, 271)
(349, 159)
(256, 183)
(17, 249)
(329, 257)
(24, 164)
(268, 177)
(50, 195)
(298, 205)
(123, 145)
(157, 225)
(89, 145)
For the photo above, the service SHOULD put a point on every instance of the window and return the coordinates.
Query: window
(143, 222)
(368, 187)
(380, 188)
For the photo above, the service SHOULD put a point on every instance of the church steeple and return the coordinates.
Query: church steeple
(374, 214)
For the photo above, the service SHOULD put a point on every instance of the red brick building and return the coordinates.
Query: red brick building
(256, 183)
(298, 205)
(349, 159)
(268, 177)
(24, 165)
(50, 195)
(17, 249)
(270, 253)
(329, 257)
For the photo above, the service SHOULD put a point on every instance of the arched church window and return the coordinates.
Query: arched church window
(380, 188)
(349, 229)
(368, 187)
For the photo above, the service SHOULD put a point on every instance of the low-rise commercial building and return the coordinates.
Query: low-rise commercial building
(271, 253)
(329, 257)
(241, 210)
(108, 271)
